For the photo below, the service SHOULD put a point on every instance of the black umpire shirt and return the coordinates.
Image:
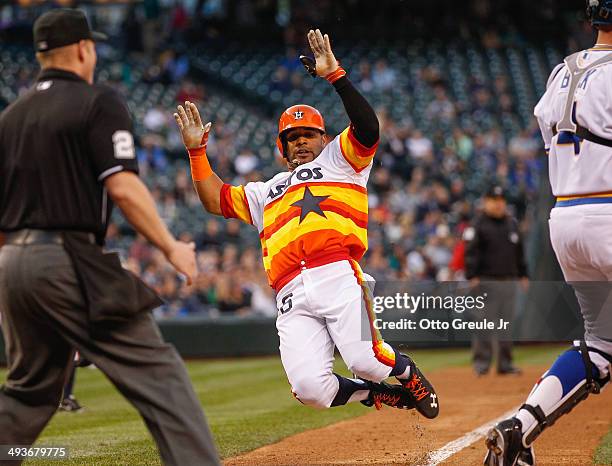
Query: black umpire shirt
(58, 142)
(494, 248)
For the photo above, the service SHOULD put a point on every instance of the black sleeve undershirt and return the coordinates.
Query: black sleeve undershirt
(360, 112)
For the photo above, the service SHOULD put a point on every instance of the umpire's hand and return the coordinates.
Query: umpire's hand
(182, 257)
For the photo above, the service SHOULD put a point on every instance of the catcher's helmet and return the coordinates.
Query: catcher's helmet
(298, 116)
(599, 12)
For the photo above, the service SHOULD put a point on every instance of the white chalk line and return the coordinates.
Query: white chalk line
(448, 450)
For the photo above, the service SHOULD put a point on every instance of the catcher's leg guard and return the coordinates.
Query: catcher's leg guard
(569, 381)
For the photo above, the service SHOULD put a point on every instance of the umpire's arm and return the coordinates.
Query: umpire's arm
(131, 195)
(135, 201)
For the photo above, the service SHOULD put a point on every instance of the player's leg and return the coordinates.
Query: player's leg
(342, 296)
(145, 369)
(37, 356)
(578, 372)
(584, 369)
(307, 353)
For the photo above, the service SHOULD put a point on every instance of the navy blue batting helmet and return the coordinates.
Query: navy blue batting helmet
(599, 12)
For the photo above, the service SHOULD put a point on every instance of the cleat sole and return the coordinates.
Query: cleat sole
(496, 450)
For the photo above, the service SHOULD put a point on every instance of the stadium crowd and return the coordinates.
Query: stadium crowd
(424, 188)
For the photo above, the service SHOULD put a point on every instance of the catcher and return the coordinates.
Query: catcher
(575, 122)
(312, 222)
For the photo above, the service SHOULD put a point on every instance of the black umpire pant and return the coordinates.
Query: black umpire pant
(499, 304)
(44, 316)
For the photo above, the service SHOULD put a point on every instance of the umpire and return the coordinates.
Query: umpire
(66, 154)
(495, 260)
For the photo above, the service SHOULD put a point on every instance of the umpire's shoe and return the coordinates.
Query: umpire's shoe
(70, 405)
(383, 393)
(506, 447)
(422, 392)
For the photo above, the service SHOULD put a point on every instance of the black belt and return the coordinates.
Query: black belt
(28, 237)
(584, 133)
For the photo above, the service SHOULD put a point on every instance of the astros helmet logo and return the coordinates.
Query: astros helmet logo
(298, 115)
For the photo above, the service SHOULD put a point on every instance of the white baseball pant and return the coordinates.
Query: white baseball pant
(582, 240)
(320, 309)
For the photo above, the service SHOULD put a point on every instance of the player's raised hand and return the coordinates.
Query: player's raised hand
(193, 132)
(326, 62)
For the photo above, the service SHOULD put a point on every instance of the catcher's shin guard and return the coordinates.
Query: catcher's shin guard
(588, 384)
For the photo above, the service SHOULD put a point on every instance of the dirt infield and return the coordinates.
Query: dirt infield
(394, 437)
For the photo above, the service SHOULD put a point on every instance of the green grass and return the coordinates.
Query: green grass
(247, 402)
(603, 454)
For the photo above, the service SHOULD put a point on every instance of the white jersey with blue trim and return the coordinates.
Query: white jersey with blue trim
(579, 167)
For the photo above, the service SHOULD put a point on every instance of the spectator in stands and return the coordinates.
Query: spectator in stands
(232, 295)
(364, 80)
(425, 183)
(262, 296)
(291, 61)
(173, 67)
(383, 77)
(441, 108)
(155, 119)
(141, 249)
(280, 81)
(245, 162)
(179, 21)
(232, 233)
(211, 236)
(523, 146)
(182, 189)
(419, 146)
(167, 210)
(191, 91)
(151, 154)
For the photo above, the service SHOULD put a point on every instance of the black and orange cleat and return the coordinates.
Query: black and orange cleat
(422, 392)
(383, 393)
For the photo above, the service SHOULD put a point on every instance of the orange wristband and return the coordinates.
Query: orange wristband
(200, 167)
(335, 75)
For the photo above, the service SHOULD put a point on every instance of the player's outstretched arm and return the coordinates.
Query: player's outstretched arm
(195, 136)
(364, 123)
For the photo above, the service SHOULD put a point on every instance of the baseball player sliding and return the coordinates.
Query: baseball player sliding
(312, 222)
(576, 122)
